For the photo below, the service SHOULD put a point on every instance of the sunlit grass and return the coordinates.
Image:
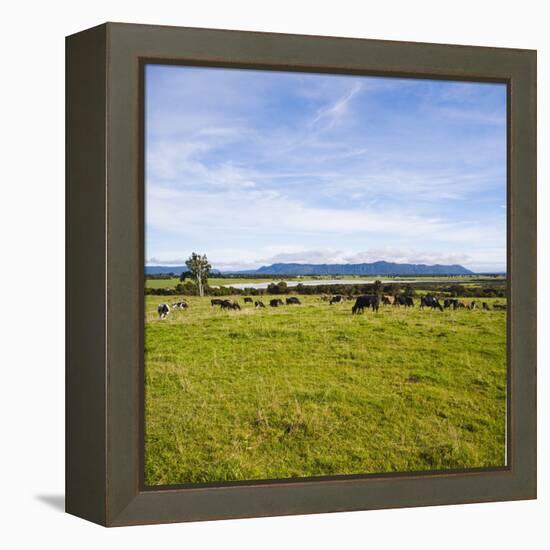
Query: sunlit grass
(312, 390)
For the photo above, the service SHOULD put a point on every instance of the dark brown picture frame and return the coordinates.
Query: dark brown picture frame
(105, 280)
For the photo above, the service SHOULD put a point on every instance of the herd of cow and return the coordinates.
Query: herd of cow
(361, 302)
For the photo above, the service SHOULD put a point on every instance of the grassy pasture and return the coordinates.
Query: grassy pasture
(312, 390)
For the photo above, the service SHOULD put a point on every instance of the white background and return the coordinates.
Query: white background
(32, 280)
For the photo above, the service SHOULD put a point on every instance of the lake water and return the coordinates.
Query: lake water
(320, 282)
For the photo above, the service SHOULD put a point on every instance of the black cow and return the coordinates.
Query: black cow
(406, 301)
(229, 304)
(336, 299)
(292, 300)
(430, 301)
(259, 303)
(485, 306)
(216, 302)
(276, 302)
(366, 301)
(248, 300)
(450, 302)
(163, 310)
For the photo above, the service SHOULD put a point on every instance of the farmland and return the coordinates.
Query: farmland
(171, 282)
(311, 390)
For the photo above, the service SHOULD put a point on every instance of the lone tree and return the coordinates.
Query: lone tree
(199, 269)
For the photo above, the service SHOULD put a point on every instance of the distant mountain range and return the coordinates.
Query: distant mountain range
(366, 269)
(370, 269)
(164, 269)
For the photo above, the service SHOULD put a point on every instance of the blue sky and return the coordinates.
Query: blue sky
(257, 167)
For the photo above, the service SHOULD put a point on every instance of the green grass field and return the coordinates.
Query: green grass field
(312, 390)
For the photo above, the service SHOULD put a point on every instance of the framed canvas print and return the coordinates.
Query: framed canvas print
(301, 274)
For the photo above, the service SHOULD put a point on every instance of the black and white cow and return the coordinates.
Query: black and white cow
(163, 310)
(430, 301)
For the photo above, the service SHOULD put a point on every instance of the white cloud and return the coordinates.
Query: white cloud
(236, 259)
(332, 113)
(237, 210)
(407, 256)
(306, 257)
(231, 173)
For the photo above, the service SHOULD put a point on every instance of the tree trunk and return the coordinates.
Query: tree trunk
(199, 282)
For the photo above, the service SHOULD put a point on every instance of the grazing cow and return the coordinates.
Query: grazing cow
(336, 299)
(406, 301)
(292, 300)
(259, 303)
(276, 302)
(473, 305)
(366, 301)
(248, 300)
(485, 306)
(450, 302)
(499, 306)
(229, 304)
(216, 302)
(163, 310)
(430, 301)
(180, 305)
(388, 300)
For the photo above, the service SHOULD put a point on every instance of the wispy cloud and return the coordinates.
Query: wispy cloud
(333, 112)
(251, 165)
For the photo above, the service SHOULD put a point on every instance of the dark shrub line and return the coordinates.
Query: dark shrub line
(455, 290)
